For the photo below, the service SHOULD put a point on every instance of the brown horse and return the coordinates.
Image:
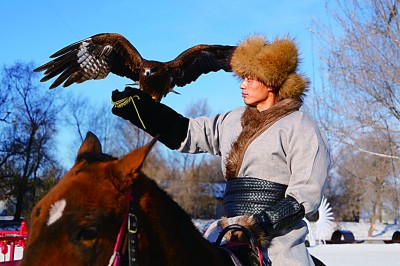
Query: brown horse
(78, 221)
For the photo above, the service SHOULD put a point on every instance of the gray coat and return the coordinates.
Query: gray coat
(293, 151)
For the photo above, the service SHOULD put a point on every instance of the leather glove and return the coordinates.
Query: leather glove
(153, 117)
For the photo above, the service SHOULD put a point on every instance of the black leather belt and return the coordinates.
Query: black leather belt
(249, 195)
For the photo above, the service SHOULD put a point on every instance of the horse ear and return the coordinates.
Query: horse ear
(133, 160)
(91, 144)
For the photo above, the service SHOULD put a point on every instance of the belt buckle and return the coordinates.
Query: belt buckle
(132, 223)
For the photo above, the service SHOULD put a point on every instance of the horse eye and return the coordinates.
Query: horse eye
(87, 236)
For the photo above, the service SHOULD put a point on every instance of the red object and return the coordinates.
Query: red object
(23, 229)
(13, 238)
(4, 247)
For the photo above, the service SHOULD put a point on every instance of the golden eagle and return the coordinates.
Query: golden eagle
(97, 56)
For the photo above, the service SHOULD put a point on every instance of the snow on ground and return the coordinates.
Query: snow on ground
(360, 230)
(373, 251)
(358, 254)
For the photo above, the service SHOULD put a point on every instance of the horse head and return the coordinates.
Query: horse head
(77, 222)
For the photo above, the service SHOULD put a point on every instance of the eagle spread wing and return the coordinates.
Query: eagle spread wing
(198, 60)
(93, 58)
(97, 56)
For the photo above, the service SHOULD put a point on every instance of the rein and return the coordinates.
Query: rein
(128, 230)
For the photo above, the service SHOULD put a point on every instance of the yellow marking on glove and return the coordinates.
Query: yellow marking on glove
(124, 101)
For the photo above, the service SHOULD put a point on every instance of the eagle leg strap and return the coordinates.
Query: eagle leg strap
(124, 101)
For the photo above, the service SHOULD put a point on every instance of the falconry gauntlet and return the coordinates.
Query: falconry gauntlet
(153, 117)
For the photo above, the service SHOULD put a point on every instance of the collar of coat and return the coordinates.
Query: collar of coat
(254, 123)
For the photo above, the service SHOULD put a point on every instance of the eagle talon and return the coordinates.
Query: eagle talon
(133, 85)
(174, 91)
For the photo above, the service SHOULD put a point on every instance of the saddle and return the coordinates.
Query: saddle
(241, 253)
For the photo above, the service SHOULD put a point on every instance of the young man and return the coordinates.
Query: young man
(274, 157)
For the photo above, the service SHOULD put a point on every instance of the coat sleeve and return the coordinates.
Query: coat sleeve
(308, 160)
(203, 135)
(213, 135)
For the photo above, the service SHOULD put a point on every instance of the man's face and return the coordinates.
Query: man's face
(254, 92)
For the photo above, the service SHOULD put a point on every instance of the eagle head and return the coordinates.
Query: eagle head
(155, 80)
(148, 72)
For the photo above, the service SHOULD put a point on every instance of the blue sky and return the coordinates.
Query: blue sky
(160, 30)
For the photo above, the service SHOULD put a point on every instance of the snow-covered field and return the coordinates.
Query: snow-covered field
(358, 254)
(360, 230)
(373, 251)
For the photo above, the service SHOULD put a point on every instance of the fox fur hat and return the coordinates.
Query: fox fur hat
(274, 64)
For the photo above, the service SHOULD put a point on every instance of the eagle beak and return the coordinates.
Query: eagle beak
(147, 72)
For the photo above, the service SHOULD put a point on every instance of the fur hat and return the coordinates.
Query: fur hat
(274, 64)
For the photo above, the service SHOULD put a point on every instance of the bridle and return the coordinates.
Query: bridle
(127, 233)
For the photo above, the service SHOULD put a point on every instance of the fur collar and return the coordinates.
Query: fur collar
(254, 123)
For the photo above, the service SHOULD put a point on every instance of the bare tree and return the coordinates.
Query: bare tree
(26, 136)
(189, 161)
(193, 174)
(78, 112)
(361, 91)
(81, 115)
(361, 59)
(4, 105)
(364, 183)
